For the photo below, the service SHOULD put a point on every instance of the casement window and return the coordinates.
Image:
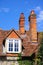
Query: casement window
(13, 45)
(10, 46)
(16, 45)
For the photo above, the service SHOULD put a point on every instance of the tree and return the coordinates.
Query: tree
(40, 52)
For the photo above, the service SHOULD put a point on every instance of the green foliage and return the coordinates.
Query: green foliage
(41, 49)
(40, 52)
(25, 62)
(19, 55)
(20, 62)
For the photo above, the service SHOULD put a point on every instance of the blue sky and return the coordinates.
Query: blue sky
(10, 11)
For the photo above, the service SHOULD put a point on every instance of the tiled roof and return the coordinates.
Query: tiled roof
(2, 36)
(29, 48)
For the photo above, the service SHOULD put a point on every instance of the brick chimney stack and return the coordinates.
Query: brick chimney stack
(21, 23)
(32, 29)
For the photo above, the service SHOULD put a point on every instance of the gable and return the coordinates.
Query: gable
(12, 35)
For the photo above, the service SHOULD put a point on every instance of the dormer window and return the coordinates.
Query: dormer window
(13, 45)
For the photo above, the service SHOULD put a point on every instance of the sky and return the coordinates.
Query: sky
(10, 11)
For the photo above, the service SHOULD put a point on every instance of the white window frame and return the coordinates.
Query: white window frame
(7, 45)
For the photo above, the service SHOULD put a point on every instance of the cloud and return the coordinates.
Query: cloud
(4, 9)
(37, 8)
(40, 16)
(39, 13)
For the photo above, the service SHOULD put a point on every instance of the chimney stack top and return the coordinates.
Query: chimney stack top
(32, 12)
(22, 15)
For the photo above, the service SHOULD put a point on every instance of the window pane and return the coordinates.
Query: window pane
(15, 44)
(10, 49)
(17, 49)
(10, 44)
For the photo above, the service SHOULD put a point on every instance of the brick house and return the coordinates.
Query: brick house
(22, 42)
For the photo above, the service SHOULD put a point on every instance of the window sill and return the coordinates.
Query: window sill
(13, 52)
